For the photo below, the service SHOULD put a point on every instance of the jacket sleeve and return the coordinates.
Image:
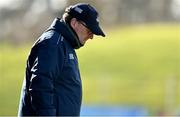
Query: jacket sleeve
(44, 72)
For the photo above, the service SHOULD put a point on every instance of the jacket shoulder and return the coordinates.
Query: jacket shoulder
(49, 38)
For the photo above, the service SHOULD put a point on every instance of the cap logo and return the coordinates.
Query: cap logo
(97, 20)
(78, 9)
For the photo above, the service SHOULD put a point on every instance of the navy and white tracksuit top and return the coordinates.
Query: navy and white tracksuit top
(52, 84)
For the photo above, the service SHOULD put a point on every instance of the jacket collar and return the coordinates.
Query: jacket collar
(64, 29)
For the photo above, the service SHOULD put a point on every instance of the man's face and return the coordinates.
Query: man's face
(82, 31)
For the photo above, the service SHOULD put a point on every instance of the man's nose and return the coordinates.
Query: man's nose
(91, 37)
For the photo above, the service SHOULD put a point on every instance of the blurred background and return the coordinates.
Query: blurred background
(134, 71)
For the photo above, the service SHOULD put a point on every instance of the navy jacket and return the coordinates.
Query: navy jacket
(52, 85)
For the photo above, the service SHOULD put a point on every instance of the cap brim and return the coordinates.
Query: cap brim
(96, 30)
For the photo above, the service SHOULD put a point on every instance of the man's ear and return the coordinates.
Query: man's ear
(73, 22)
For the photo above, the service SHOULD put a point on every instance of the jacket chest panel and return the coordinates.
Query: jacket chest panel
(70, 68)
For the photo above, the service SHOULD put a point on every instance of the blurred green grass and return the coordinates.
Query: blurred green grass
(131, 66)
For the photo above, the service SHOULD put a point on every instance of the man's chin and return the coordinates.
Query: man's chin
(82, 43)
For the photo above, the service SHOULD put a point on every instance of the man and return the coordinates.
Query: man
(52, 85)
